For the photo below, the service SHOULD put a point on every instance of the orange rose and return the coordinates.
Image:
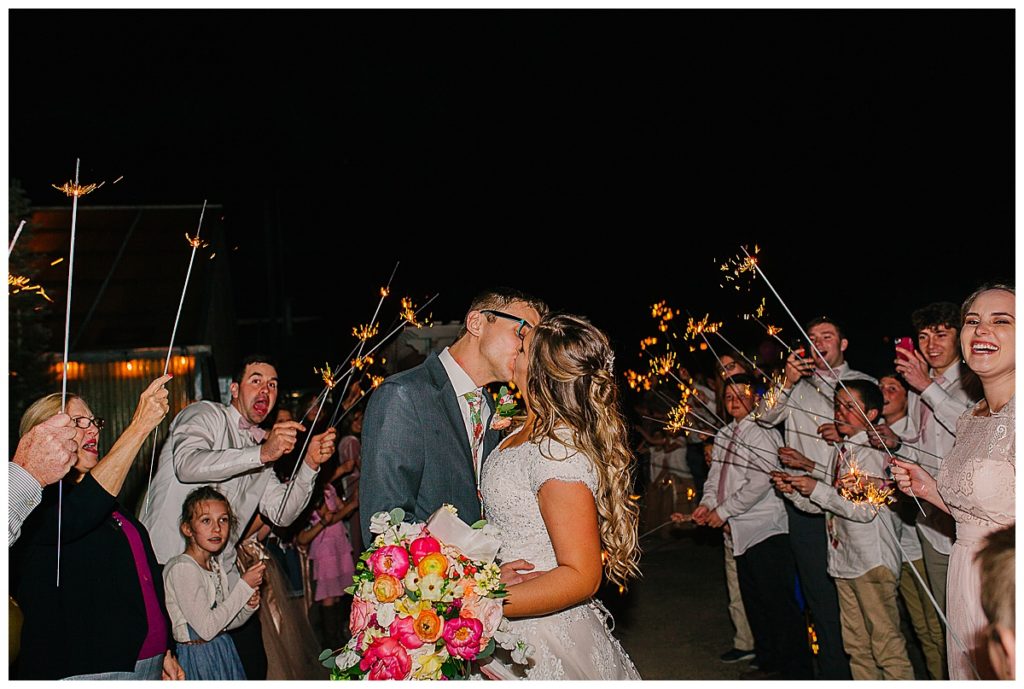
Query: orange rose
(387, 588)
(428, 626)
(435, 563)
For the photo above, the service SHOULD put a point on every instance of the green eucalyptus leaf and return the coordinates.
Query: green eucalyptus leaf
(488, 650)
(397, 515)
(479, 524)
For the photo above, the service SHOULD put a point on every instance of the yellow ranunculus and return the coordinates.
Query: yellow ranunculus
(435, 563)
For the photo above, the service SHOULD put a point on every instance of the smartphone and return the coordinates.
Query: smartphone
(906, 344)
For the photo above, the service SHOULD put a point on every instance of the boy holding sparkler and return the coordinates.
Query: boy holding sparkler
(738, 497)
(863, 534)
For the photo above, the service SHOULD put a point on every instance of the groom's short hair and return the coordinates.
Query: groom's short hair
(498, 297)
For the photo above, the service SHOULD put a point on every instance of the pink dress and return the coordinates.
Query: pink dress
(331, 554)
(976, 482)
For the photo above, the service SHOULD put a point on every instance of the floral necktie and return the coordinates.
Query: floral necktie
(475, 400)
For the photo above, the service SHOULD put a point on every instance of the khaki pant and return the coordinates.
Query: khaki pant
(923, 617)
(937, 565)
(744, 638)
(871, 626)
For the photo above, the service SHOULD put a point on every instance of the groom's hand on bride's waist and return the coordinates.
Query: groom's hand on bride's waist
(517, 571)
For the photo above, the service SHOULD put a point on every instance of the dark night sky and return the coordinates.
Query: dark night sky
(600, 159)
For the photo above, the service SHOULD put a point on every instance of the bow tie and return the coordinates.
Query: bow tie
(257, 433)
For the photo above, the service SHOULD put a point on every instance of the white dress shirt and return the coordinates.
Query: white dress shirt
(463, 384)
(24, 495)
(750, 505)
(860, 537)
(805, 407)
(940, 405)
(206, 447)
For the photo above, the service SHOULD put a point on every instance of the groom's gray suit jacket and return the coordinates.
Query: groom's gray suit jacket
(416, 452)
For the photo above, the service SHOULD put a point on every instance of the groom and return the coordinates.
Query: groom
(426, 431)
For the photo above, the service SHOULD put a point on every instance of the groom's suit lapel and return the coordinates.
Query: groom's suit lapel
(491, 436)
(446, 398)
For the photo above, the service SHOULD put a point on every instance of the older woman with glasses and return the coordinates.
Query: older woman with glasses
(106, 619)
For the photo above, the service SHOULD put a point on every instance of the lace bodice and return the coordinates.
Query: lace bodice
(509, 484)
(978, 477)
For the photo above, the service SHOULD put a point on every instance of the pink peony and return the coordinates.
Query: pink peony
(487, 610)
(391, 559)
(386, 659)
(422, 547)
(462, 637)
(404, 629)
(359, 619)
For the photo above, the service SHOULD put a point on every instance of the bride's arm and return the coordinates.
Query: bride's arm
(570, 515)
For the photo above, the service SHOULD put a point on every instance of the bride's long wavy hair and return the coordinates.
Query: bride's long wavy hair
(571, 384)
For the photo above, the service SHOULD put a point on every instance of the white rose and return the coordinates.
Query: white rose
(386, 614)
(379, 522)
(347, 659)
(521, 653)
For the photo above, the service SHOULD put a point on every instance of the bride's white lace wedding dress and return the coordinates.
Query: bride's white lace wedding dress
(575, 643)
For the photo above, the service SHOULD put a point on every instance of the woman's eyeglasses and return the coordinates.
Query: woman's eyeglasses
(86, 421)
(523, 323)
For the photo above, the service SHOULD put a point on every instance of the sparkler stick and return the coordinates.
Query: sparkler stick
(74, 191)
(17, 233)
(329, 383)
(686, 518)
(195, 243)
(758, 269)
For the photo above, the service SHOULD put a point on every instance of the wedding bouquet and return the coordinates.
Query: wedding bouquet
(426, 602)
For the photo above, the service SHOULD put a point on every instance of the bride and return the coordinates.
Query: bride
(557, 488)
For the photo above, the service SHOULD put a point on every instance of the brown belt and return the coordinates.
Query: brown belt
(192, 643)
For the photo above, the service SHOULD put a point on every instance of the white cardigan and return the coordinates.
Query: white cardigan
(190, 593)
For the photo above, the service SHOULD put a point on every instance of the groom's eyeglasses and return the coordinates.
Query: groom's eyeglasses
(523, 323)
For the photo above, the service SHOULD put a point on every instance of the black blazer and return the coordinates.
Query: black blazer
(416, 452)
(96, 620)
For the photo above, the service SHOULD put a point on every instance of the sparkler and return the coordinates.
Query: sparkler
(663, 313)
(17, 233)
(195, 243)
(694, 328)
(861, 488)
(760, 453)
(75, 191)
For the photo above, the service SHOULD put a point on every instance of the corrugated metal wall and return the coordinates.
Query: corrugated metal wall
(111, 384)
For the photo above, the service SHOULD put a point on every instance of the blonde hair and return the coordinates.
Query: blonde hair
(41, 410)
(570, 384)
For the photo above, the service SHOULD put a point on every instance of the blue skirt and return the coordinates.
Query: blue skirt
(215, 659)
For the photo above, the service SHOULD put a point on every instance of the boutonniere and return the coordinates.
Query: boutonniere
(505, 410)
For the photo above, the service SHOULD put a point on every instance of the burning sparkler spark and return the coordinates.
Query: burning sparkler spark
(774, 330)
(408, 314)
(365, 332)
(361, 362)
(384, 291)
(20, 283)
(638, 380)
(77, 190)
(734, 267)
(664, 313)
(648, 342)
(196, 242)
(663, 365)
(864, 489)
(695, 328)
(326, 374)
(375, 381)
